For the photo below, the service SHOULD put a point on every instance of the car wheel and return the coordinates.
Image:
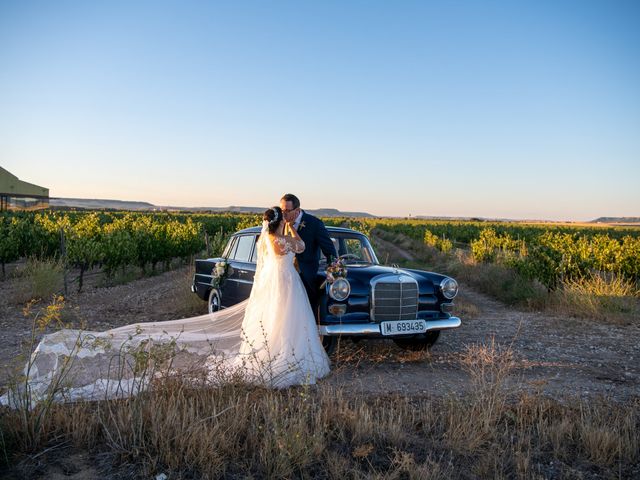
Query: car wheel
(329, 343)
(419, 342)
(214, 300)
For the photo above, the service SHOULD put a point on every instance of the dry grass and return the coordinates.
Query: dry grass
(473, 427)
(609, 298)
(39, 279)
(238, 431)
(190, 428)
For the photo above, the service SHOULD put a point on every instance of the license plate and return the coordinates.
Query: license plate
(403, 327)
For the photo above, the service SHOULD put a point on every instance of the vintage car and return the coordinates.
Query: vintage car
(409, 306)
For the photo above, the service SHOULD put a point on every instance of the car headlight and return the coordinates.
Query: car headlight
(449, 288)
(340, 289)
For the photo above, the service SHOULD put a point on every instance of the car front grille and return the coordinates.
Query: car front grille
(394, 297)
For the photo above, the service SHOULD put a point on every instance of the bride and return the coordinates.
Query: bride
(279, 329)
(270, 339)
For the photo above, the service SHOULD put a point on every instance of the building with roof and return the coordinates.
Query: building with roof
(16, 194)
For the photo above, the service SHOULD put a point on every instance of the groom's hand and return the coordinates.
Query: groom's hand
(289, 225)
(291, 215)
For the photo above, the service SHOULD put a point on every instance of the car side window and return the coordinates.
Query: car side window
(254, 254)
(230, 248)
(243, 250)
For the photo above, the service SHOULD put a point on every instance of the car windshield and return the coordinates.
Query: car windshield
(354, 249)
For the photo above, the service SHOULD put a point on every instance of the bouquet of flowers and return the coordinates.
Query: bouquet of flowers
(336, 270)
(220, 272)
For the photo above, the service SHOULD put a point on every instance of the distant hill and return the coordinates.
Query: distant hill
(472, 219)
(332, 212)
(440, 217)
(95, 204)
(624, 220)
(92, 203)
(322, 212)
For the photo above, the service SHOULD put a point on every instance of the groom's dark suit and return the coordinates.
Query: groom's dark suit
(316, 238)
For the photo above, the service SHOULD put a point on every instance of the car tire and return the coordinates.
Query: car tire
(329, 343)
(214, 301)
(418, 343)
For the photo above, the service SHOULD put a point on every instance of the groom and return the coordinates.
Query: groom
(315, 237)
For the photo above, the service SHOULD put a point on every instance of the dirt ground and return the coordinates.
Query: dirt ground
(554, 355)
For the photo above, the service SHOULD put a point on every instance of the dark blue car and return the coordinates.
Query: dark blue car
(409, 306)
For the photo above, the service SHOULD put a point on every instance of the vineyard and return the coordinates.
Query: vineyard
(114, 240)
(548, 253)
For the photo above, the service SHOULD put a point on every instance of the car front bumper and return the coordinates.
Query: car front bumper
(373, 329)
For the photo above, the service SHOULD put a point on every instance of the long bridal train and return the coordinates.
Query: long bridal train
(85, 365)
(270, 339)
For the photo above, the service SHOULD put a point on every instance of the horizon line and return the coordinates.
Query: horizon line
(454, 217)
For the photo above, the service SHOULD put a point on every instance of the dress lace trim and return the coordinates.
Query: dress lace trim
(284, 245)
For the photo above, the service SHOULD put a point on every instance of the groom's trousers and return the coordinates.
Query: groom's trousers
(312, 293)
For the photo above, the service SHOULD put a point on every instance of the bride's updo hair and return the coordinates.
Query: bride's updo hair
(274, 217)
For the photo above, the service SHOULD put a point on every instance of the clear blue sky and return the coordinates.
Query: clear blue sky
(495, 109)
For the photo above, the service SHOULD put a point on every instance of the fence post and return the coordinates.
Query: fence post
(63, 252)
(206, 242)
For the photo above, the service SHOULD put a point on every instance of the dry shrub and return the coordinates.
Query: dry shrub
(39, 279)
(594, 433)
(489, 364)
(601, 296)
(608, 437)
(604, 284)
(404, 465)
(472, 422)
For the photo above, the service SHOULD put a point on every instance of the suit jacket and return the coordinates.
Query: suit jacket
(316, 239)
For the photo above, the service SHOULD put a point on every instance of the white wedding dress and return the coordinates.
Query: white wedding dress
(269, 339)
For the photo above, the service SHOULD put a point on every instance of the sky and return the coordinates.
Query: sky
(495, 109)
